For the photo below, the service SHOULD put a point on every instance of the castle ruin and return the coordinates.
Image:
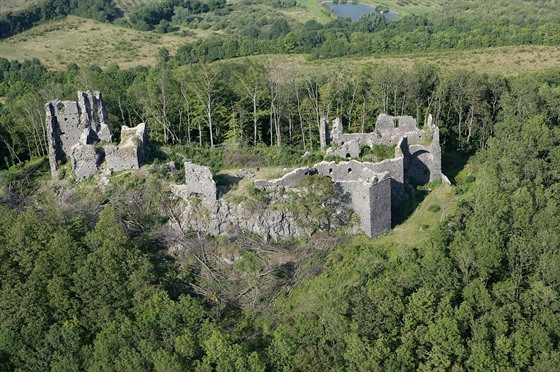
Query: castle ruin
(372, 190)
(78, 131)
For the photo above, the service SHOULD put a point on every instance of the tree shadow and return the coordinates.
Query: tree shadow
(453, 162)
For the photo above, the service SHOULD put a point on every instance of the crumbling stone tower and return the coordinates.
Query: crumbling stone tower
(72, 122)
(78, 131)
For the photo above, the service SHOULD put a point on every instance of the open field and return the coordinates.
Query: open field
(312, 9)
(127, 48)
(84, 41)
(508, 61)
(13, 5)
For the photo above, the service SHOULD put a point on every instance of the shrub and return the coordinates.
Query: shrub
(434, 208)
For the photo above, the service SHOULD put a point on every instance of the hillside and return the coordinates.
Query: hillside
(117, 256)
(128, 48)
(87, 42)
(15, 5)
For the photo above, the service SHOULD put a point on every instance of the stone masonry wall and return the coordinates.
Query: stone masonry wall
(422, 155)
(78, 132)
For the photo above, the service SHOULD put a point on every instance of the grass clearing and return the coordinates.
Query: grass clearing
(15, 5)
(484, 60)
(424, 218)
(401, 7)
(85, 41)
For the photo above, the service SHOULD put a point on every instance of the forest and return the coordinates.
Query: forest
(92, 279)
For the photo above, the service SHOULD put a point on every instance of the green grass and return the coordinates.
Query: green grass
(123, 46)
(359, 256)
(14, 5)
(401, 7)
(483, 60)
(421, 222)
(317, 9)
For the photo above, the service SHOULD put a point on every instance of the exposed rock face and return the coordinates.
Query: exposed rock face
(202, 212)
(77, 131)
(223, 218)
(85, 160)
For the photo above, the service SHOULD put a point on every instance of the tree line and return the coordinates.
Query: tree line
(252, 103)
(459, 25)
(13, 23)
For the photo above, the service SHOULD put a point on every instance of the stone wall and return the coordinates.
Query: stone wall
(422, 156)
(423, 162)
(366, 187)
(288, 180)
(373, 191)
(371, 201)
(324, 135)
(64, 128)
(199, 180)
(78, 132)
(131, 152)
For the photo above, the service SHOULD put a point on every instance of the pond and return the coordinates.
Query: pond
(355, 11)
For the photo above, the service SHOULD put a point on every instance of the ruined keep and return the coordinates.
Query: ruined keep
(78, 132)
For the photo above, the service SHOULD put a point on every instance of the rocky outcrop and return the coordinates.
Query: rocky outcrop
(230, 219)
(200, 211)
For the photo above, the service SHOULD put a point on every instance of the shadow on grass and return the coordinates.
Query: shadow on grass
(453, 162)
